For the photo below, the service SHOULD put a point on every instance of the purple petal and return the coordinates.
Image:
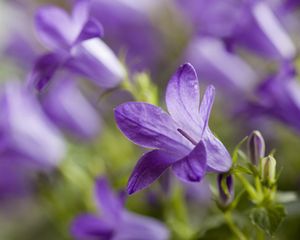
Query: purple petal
(206, 106)
(110, 205)
(183, 98)
(91, 29)
(137, 227)
(23, 127)
(96, 61)
(69, 109)
(149, 126)
(90, 227)
(225, 70)
(44, 69)
(218, 158)
(226, 195)
(262, 32)
(150, 167)
(192, 167)
(55, 28)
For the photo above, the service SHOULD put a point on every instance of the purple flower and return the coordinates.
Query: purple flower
(69, 109)
(251, 24)
(26, 134)
(75, 45)
(226, 188)
(128, 27)
(222, 68)
(261, 31)
(182, 139)
(278, 97)
(115, 222)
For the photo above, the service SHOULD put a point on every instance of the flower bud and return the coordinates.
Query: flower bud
(226, 189)
(268, 170)
(256, 147)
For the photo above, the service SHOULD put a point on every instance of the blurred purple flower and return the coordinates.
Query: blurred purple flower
(261, 31)
(251, 24)
(224, 69)
(278, 97)
(128, 28)
(74, 43)
(182, 140)
(26, 134)
(69, 109)
(115, 222)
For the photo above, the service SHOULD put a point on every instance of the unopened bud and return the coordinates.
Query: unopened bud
(256, 147)
(226, 188)
(268, 170)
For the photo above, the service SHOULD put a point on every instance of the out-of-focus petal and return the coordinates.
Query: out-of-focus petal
(225, 70)
(70, 110)
(91, 29)
(128, 26)
(183, 98)
(192, 167)
(26, 130)
(148, 169)
(45, 68)
(55, 27)
(137, 227)
(109, 204)
(96, 61)
(261, 31)
(90, 227)
(149, 126)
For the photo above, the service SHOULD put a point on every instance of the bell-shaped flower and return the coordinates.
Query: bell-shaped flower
(74, 44)
(181, 139)
(115, 222)
(25, 131)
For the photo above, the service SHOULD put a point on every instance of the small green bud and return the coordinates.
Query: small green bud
(268, 170)
(256, 147)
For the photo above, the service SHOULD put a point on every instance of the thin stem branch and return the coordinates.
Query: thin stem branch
(233, 227)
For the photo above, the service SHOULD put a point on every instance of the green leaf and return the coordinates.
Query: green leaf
(268, 218)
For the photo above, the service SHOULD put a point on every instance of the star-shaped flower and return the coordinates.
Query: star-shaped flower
(181, 139)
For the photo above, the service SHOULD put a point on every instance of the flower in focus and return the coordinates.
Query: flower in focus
(115, 222)
(75, 45)
(181, 139)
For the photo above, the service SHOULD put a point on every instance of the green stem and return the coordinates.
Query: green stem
(251, 191)
(233, 227)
